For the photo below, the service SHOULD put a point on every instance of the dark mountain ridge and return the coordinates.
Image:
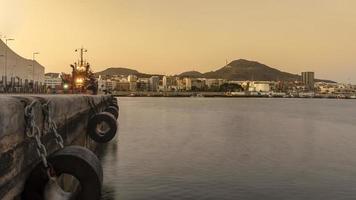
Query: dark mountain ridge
(122, 71)
(192, 74)
(250, 70)
(118, 71)
(238, 70)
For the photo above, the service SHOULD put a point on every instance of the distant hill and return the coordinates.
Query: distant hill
(250, 70)
(236, 70)
(247, 70)
(192, 74)
(123, 71)
(118, 71)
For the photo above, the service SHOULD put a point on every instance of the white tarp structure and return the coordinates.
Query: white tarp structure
(19, 67)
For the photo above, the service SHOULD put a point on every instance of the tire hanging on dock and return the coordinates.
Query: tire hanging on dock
(112, 110)
(114, 102)
(113, 98)
(115, 105)
(76, 161)
(102, 127)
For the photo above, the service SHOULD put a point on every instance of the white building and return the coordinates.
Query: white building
(188, 84)
(214, 83)
(180, 84)
(197, 84)
(168, 82)
(53, 80)
(108, 85)
(101, 85)
(143, 84)
(308, 80)
(194, 83)
(13, 65)
(257, 86)
(154, 83)
(335, 88)
(132, 79)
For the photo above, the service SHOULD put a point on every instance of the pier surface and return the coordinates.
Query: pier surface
(18, 154)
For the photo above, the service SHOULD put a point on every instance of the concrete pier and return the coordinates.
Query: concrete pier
(18, 154)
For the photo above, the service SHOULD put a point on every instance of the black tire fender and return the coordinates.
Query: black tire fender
(77, 161)
(112, 110)
(115, 105)
(114, 102)
(99, 135)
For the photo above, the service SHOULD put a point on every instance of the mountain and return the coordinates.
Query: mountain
(247, 70)
(124, 71)
(236, 70)
(192, 74)
(250, 70)
(118, 71)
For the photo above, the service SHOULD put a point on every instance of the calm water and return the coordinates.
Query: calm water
(216, 148)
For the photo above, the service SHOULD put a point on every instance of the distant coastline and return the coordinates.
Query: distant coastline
(229, 95)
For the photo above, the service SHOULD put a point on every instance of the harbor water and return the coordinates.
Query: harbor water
(233, 149)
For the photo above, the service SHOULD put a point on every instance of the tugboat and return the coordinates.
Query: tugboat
(82, 79)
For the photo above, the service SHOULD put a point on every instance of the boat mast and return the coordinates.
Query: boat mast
(82, 51)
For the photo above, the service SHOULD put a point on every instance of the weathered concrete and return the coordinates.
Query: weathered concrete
(18, 152)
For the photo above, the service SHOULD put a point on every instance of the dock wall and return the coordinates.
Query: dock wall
(18, 154)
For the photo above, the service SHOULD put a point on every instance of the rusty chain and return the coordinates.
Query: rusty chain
(91, 104)
(33, 131)
(52, 126)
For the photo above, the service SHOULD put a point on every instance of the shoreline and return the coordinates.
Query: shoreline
(216, 95)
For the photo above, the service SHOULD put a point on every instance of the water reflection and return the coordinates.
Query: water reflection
(195, 148)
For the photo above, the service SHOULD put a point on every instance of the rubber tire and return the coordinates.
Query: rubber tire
(74, 160)
(97, 119)
(115, 105)
(112, 110)
(114, 102)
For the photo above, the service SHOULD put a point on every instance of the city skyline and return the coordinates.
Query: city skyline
(172, 37)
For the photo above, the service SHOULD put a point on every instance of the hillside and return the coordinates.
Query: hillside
(250, 70)
(118, 71)
(124, 71)
(192, 74)
(236, 70)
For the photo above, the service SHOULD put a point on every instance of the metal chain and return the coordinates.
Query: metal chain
(52, 126)
(92, 105)
(93, 110)
(33, 131)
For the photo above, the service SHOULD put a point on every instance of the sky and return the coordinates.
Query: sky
(173, 36)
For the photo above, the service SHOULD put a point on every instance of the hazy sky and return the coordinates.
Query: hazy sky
(172, 36)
